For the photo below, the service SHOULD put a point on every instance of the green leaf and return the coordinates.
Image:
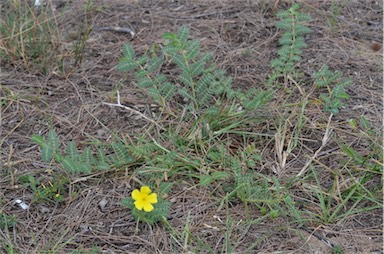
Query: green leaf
(46, 153)
(70, 165)
(102, 157)
(186, 94)
(183, 33)
(198, 67)
(145, 83)
(291, 42)
(160, 212)
(87, 157)
(168, 90)
(171, 49)
(155, 94)
(193, 49)
(160, 78)
(165, 188)
(140, 74)
(84, 168)
(58, 157)
(102, 165)
(206, 180)
(38, 139)
(71, 150)
(186, 79)
(220, 175)
(155, 63)
(128, 51)
(180, 61)
(122, 153)
(127, 64)
(53, 141)
(128, 202)
(33, 183)
(351, 153)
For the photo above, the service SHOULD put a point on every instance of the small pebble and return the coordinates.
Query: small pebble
(22, 205)
(103, 203)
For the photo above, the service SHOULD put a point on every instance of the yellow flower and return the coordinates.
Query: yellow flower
(144, 199)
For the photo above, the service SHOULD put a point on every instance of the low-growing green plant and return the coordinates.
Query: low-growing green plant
(44, 189)
(78, 162)
(292, 109)
(336, 206)
(208, 179)
(207, 97)
(7, 221)
(334, 12)
(284, 69)
(265, 193)
(291, 42)
(149, 207)
(196, 88)
(83, 33)
(335, 86)
(207, 137)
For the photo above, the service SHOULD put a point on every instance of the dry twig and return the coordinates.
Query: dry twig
(118, 104)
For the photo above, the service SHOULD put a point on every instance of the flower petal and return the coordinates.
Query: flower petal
(139, 204)
(145, 190)
(152, 198)
(136, 195)
(148, 207)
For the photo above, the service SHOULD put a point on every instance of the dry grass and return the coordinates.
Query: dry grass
(243, 39)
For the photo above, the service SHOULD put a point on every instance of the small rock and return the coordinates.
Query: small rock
(102, 204)
(100, 133)
(44, 209)
(22, 204)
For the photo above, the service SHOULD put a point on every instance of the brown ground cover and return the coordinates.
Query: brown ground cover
(243, 38)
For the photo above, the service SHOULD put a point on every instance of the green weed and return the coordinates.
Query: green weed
(84, 31)
(292, 22)
(206, 135)
(335, 11)
(44, 189)
(77, 162)
(204, 89)
(160, 211)
(7, 221)
(334, 85)
(30, 35)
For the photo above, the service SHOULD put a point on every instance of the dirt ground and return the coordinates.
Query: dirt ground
(350, 42)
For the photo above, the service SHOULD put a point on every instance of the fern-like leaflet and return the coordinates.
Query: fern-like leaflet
(77, 162)
(335, 87)
(178, 76)
(291, 43)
